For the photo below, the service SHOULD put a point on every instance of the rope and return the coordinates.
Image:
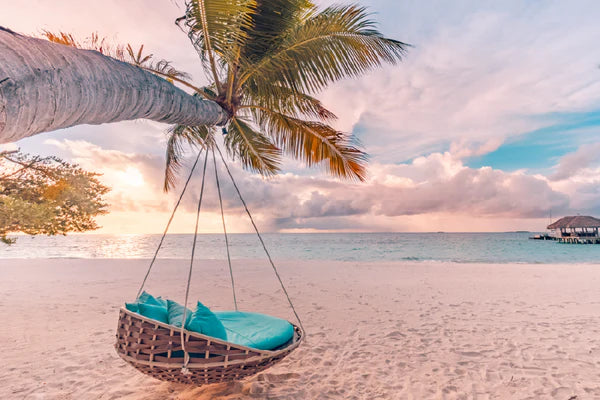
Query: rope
(260, 238)
(224, 229)
(187, 289)
(168, 224)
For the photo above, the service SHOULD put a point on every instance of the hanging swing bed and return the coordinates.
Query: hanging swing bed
(210, 347)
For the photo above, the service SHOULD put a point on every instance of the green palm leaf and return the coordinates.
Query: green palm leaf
(254, 150)
(180, 135)
(287, 101)
(272, 19)
(314, 143)
(336, 43)
(219, 25)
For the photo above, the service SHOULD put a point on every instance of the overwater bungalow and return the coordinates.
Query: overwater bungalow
(581, 229)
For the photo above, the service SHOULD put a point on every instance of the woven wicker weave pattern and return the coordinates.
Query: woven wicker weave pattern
(155, 349)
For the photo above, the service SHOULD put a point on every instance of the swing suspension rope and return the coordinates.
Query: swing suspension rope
(186, 355)
(168, 225)
(261, 240)
(224, 228)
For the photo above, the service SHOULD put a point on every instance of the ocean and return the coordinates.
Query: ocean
(398, 247)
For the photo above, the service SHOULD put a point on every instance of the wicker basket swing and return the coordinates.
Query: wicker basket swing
(174, 354)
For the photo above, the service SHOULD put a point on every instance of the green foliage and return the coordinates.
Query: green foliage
(47, 196)
(255, 150)
(180, 135)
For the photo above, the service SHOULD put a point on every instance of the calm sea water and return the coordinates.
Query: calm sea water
(442, 247)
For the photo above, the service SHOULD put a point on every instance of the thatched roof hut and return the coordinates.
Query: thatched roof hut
(578, 221)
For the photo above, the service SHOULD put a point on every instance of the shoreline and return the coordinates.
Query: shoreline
(407, 261)
(375, 330)
(503, 248)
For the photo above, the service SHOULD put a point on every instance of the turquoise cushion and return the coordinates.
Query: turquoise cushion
(147, 298)
(132, 307)
(175, 313)
(255, 330)
(150, 307)
(157, 313)
(205, 322)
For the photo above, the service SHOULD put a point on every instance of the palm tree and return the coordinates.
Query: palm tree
(46, 86)
(265, 60)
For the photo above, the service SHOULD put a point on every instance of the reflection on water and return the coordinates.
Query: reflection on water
(445, 247)
(131, 246)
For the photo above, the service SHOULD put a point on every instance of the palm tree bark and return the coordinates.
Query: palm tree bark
(46, 86)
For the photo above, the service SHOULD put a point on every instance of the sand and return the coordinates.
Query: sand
(376, 331)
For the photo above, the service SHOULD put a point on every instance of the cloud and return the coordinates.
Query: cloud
(437, 184)
(8, 147)
(583, 187)
(480, 192)
(574, 162)
(479, 73)
(134, 178)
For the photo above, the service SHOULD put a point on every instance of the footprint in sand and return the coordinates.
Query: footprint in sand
(275, 378)
(563, 393)
(397, 335)
(469, 353)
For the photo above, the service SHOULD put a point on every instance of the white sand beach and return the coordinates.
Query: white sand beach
(375, 331)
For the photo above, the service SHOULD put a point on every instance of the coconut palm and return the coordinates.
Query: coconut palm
(46, 86)
(265, 61)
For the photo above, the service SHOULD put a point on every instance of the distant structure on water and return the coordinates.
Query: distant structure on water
(580, 229)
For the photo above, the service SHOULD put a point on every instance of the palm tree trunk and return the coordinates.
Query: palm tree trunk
(46, 86)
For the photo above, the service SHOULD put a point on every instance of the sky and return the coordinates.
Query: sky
(491, 123)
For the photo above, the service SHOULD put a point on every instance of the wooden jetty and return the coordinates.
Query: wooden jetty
(578, 229)
(543, 236)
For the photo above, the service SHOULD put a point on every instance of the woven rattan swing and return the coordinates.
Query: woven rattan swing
(163, 351)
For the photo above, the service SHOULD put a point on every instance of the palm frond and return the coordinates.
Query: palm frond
(62, 38)
(162, 68)
(194, 136)
(286, 101)
(138, 58)
(272, 19)
(315, 143)
(92, 42)
(254, 150)
(339, 42)
(218, 26)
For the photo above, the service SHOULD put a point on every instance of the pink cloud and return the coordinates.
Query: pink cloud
(572, 163)
(429, 185)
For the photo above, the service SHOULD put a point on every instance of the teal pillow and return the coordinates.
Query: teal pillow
(147, 298)
(175, 314)
(259, 331)
(205, 322)
(157, 313)
(132, 307)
